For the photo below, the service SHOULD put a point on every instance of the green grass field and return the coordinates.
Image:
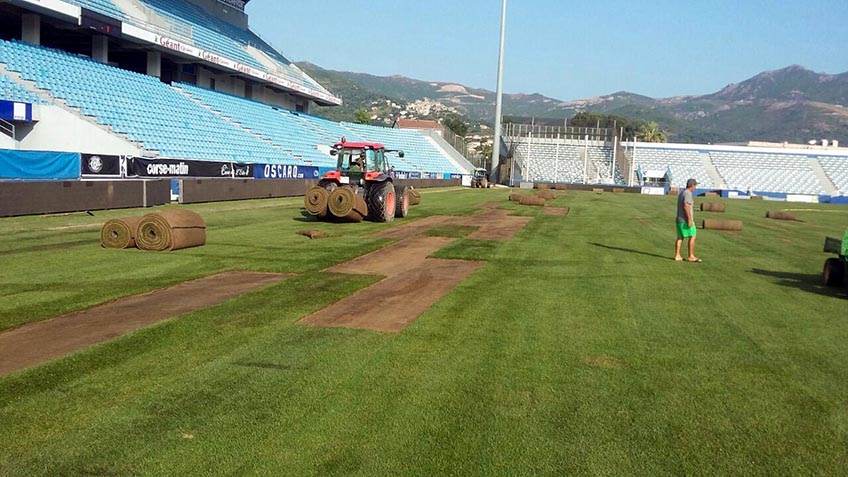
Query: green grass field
(579, 348)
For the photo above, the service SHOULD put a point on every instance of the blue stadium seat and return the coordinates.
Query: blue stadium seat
(186, 22)
(307, 137)
(141, 107)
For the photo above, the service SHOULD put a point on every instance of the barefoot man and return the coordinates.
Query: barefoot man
(686, 221)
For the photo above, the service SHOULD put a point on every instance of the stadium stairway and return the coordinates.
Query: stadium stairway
(712, 171)
(827, 184)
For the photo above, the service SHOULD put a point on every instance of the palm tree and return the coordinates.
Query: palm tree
(651, 132)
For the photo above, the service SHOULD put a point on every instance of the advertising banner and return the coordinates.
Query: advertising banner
(97, 165)
(143, 167)
(285, 171)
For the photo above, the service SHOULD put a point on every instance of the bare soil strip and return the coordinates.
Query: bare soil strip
(413, 282)
(415, 227)
(395, 259)
(39, 342)
(394, 303)
(496, 224)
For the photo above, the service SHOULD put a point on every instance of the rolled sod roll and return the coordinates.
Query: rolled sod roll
(414, 196)
(316, 200)
(530, 200)
(546, 194)
(515, 197)
(598, 191)
(713, 207)
(541, 186)
(561, 187)
(728, 225)
(173, 229)
(618, 190)
(345, 204)
(778, 215)
(119, 233)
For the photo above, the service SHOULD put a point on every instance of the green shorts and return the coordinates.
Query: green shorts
(684, 231)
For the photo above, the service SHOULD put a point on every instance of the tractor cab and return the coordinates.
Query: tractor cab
(361, 162)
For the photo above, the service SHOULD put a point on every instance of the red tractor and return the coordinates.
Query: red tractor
(364, 167)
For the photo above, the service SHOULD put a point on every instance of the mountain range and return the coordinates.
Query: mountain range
(791, 104)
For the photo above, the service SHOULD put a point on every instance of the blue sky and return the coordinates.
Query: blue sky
(564, 49)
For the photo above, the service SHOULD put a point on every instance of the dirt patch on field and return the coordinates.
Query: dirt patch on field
(395, 259)
(603, 361)
(496, 224)
(415, 227)
(556, 211)
(395, 302)
(39, 342)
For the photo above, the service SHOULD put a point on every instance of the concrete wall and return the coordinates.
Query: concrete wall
(29, 198)
(61, 130)
(6, 142)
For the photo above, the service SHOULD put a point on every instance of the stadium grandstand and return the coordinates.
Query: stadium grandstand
(176, 88)
(602, 157)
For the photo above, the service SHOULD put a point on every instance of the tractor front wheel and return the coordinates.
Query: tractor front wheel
(834, 272)
(381, 201)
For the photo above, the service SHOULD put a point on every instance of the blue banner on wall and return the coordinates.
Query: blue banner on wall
(287, 171)
(39, 165)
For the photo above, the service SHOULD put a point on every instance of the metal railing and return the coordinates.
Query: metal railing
(558, 132)
(8, 129)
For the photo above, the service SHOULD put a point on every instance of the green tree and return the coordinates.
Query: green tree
(456, 124)
(362, 116)
(651, 132)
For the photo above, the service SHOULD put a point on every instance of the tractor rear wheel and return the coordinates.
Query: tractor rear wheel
(401, 201)
(381, 201)
(834, 272)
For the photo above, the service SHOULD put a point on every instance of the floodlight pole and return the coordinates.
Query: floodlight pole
(496, 147)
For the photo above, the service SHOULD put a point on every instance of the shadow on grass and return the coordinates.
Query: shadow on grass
(803, 281)
(629, 250)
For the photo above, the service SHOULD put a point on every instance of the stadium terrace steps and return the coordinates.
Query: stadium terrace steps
(836, 169)
(767, 172)
(829, 187)
(717, 180)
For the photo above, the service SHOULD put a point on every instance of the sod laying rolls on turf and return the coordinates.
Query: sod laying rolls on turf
(119, 233)
(515, 197)
(561, 187)
(598, 190)
(414, 196)
(345, 204)
(728, 225)
(546, 194)
(531, 200)
(778, 215)
(172, 229)
(315, 201)
(713, 207)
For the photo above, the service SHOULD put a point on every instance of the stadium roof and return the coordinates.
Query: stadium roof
(184, 29)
